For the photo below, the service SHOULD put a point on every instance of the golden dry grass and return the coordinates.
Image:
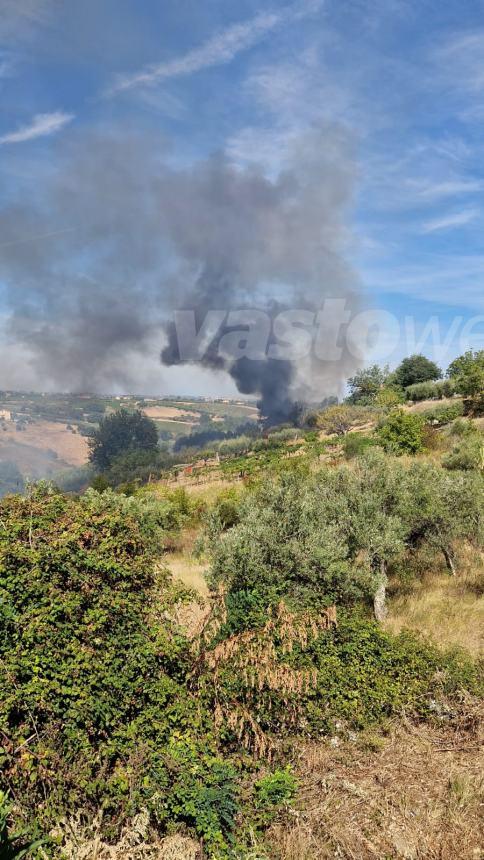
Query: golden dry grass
(423, 405)
(81, 841)
(166, 413)
(188, 570)
(450, 610)
(416, 794)
(42, 436)
(210, 489)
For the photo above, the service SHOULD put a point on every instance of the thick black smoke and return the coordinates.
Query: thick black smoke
(99, 251)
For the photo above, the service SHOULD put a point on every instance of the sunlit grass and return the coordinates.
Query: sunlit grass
(450, 610)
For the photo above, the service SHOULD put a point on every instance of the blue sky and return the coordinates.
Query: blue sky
(403, 79)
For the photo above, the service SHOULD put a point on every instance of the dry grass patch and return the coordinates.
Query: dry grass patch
(81, 841)
(416, 794)
(188, 570)
(450, 610)
(41, 437)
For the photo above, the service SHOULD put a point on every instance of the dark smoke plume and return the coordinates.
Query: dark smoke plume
(100, 251)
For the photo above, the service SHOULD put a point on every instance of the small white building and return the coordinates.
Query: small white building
(5, 415)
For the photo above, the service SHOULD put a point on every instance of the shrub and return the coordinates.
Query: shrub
(316, 539)
(462, 427)
(468, 454)
(274, 790)
(355, 444)
(92, 670)
(387, 397)
(204, 793)
(290, 541)
(225, 511)
(444, 414)
(366, 384)
(401, 433)
(430, 390)
(295, 675)
(421, 391)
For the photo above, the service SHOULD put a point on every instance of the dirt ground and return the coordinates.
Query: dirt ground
(415, 794)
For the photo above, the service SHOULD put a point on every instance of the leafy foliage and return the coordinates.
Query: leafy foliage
(14, 844)
(355, 444)
(468, 454)
(273, 790)
(120, 434)
(430, 390)
(340, 419)
(402, 433)
(93, 670)
(414, 369)
(444, 414)
(468, 373)
(365, 385)
(319, 539)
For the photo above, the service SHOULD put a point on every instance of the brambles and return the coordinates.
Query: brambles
(95, 685)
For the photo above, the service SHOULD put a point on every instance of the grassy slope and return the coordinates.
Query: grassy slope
(412, 791)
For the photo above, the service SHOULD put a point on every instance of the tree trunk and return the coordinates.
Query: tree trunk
(449, 561)
(379, 600)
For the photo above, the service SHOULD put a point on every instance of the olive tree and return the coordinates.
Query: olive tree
(332, 536)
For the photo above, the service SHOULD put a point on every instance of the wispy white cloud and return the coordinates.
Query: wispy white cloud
(43, 124)
(449, 188)
(461, 60)
(19, 18)
(286, 99)
(452, 219)
(218, 50)
(450, 279)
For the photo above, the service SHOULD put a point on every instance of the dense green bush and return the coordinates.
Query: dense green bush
(366, 384)
(315, 681)
(273, 790)
(93, 672)
(366, 674)
(107, 706)
(290, 542)
(120, 434)
(401, 433)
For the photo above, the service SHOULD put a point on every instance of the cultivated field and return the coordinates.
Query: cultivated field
(43, 446)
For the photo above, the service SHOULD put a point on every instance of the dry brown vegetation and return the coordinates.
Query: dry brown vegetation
(449, 610)
(188, 570)
(32, 448)
(414, 794)
(82, 842)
